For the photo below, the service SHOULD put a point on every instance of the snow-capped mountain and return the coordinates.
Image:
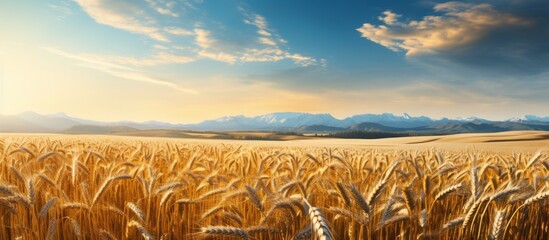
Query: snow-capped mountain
(295, 120)
(529, 118)
(273, 121)
(279, 121)
(389, 120)
(470, 119)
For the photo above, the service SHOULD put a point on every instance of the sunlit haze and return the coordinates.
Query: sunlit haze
(184, 61)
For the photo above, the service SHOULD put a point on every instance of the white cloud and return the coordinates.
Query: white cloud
(178, 31)
(121, 15)
(209, 49)
(323, 63)
(275, 54)
(84, 59)
(203, 39)
(272, 52)
(159, 58)
(459, 24)
(113, 65)
(213, 49)
(301, 60)
(218, 56)
(262, 55)
(265, 36)
(156, 59)
(267, 41)
(190, 3)
(161, 47)
(390, 18)
(165, 9)
(126, 15)
(263, 32)
(142, 77)
(62, 8)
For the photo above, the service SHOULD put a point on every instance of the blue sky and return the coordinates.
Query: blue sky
(189, 60)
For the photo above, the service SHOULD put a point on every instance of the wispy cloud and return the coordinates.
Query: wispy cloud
(262, 55)
(203, 38)
(265, 35)
(122, 15)
(113, 65)
(178, 31)
(267, 41)
(126, 15)
(273, 51)
(268, 51)
(62, 8)
(208, 48)
(162, 7)
(158, 58)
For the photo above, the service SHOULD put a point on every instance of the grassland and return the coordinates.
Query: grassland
(100, 187)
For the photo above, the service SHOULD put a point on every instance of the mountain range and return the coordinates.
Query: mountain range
(280, 121)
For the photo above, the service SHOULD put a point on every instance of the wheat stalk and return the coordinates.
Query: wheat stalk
(254, 198)
(105, 185)
(359, 199)
(166, 197)
(447, 191)
(536, 198)
(142, 230)
(320, 224)
(225, 231)
(47, 207)
(212, 211)
(375, 192)
(262, 229)
(343, 193)
(137, 211)
(470, 214)
(453, 223)
(104, 234)
(497, 224)
(52, 229)
(76, 228)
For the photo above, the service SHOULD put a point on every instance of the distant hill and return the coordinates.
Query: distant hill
(295, 120)
(391, 120)
(374, 130)
(278, 121)
(460, 127)
(92, 129)
(367, 135)
(478, 127)
(318, 128)
(14, 124)
(55, 122)
(543, 126)
(374, 127)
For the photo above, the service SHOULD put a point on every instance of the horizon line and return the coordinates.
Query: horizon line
(252, 116)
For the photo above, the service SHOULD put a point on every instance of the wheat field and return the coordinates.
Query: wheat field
(56, 187)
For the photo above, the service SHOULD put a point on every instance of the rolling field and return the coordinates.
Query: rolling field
(113, 187)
